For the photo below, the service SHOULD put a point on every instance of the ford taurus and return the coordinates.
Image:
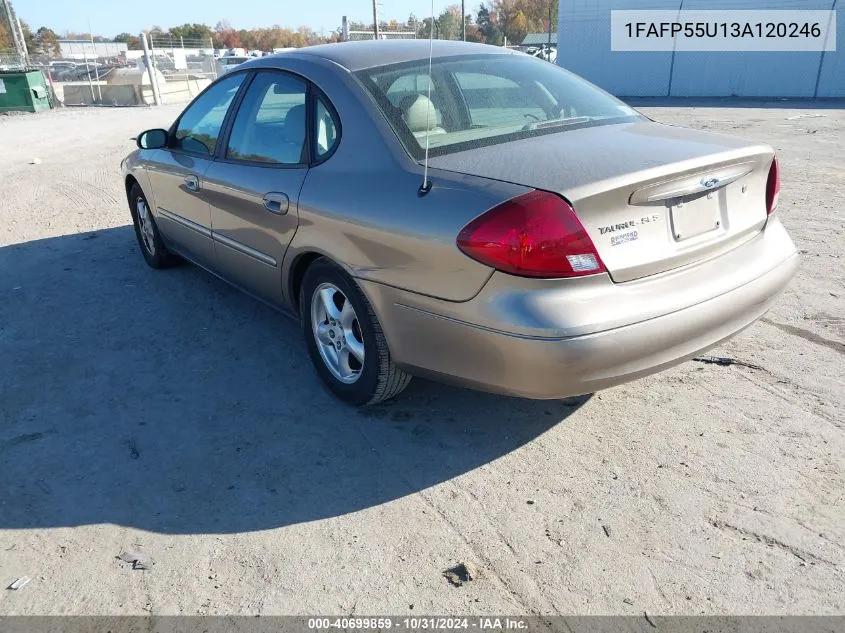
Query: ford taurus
(478, 216)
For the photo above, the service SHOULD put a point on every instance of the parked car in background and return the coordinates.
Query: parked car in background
(544, 52)
(56, 68)
(82, 72)
(229, 62)
(557, 242)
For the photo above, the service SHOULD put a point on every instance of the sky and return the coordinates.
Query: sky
(110, 17)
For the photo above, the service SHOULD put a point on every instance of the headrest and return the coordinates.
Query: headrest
(295, 124)
(419, 113)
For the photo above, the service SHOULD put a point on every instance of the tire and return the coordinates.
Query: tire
(356, 382)
(146, 232)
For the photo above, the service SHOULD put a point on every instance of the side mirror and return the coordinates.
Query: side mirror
(152, 139)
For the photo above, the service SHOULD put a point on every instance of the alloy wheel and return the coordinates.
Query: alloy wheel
(145, 225)
(337, 333)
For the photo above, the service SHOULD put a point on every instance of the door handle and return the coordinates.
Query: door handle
(192, 183)
(276, 202)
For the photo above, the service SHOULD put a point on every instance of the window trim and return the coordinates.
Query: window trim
(223, 147)
(317, 94)
(171, 132)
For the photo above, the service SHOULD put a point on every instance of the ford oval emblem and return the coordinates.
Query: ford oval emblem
(709, 183)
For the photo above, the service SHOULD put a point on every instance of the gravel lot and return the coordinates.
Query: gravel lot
(165, 413)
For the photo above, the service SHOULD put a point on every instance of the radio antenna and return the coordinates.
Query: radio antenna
(425, 187)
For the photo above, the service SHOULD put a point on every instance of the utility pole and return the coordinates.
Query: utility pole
(150, 70)
(550, 26)
(463, 22)
(24, 49)
(375, 20)
(96, 63)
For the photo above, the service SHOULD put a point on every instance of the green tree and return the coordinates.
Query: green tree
(487, 22)
(29, 38)
(47, 42)
(5, 37)
(192, 32)
(516, 18)
(424, 29)
(449, 23)
(133, 42)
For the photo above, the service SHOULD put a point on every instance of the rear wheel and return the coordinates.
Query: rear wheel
(344, 338)
(149, 239)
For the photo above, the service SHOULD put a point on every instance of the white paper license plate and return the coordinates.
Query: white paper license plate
(695, 217)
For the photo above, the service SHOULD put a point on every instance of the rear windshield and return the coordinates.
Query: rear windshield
(484, 100)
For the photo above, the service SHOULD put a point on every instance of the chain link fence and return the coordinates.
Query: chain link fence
(183, 68)
(84, 73)
(10, 60)
(384, 34)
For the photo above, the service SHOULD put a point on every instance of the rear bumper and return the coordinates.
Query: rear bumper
(511, 343)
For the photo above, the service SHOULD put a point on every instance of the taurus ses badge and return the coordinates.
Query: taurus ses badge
(710, 182)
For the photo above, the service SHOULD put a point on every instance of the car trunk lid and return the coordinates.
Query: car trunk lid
(652, 197)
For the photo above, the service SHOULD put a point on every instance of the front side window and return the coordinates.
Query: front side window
(199, 126)
(485, 100)
(326, 134)
(270, 124)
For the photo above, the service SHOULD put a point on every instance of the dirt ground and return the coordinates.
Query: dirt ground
(164, 413)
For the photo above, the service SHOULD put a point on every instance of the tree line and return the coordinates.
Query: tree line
(493, 22)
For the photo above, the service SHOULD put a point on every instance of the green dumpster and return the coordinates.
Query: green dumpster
(23, 91)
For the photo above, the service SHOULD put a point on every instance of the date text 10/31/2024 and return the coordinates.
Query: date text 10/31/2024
(419, 623)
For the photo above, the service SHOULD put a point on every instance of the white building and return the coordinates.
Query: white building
(584, 47)
(82, 49)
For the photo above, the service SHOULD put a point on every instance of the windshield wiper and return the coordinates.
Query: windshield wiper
(541, 125)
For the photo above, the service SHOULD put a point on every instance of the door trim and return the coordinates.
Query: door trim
(264, 258)
(188, 224)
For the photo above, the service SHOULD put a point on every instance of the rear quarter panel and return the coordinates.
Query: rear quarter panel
(374, 223)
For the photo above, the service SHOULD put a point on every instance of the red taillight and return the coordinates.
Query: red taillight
(773, 187)
(534, 235)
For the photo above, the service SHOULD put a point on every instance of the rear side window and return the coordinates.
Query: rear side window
(199, 126)
(326, 133)
(270, 124)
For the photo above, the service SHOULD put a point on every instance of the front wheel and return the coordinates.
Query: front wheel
(344, 338)
(149, 239)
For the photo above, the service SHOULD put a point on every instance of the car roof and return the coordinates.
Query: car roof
(372, 53)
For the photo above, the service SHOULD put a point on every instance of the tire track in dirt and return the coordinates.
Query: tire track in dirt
(813, 408)
(771, 541)
(807, 335)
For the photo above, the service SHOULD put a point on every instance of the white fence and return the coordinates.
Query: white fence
(86, 49)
